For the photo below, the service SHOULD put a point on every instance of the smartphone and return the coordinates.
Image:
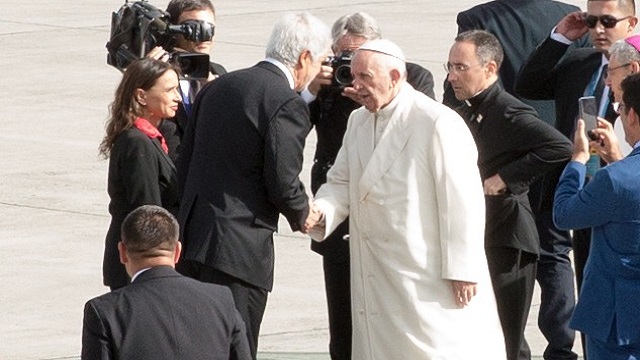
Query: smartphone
(588, 113)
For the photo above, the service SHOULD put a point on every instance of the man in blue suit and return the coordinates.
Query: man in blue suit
(608, 310)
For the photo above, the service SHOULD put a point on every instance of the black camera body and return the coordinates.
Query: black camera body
(341, 65)
(138, 27)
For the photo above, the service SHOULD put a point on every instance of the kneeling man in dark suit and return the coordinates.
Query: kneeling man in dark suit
(161, 314)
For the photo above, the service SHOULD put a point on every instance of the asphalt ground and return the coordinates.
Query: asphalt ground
(55, 91)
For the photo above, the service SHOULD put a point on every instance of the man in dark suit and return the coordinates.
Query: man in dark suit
(330, 108)
(239, 166)
(161, 314)
(554, 72)
(514, 147)
(520, 25)
(181, 11)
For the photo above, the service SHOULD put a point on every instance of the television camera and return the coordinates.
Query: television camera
(137, 27)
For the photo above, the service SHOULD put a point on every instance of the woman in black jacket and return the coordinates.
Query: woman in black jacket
(140, 171)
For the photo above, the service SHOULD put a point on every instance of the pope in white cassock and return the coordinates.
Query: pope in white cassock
(407, 175)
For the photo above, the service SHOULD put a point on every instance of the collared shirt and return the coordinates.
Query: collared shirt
(559, 37)
(284, 69)
(133, 278)
(381, 119)
(604, 101)
(307, 95)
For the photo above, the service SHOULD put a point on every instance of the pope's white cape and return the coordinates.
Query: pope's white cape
(417, 217)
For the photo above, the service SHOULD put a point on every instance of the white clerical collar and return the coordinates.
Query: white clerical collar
(133, 278)
(284, 69)
(386, 111)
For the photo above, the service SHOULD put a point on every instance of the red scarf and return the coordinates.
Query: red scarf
(151, 131)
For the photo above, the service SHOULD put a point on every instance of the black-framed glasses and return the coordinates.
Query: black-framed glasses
(610, 70)
(608, 21)
(457, 68)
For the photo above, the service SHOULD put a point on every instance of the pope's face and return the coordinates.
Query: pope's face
(373, 84)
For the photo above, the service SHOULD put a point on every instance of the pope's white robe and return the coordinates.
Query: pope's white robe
(417, 216)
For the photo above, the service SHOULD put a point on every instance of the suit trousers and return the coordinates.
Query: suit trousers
(250, 300)
(557, 297)
(513, 276)
(581, 244)
(337, 284)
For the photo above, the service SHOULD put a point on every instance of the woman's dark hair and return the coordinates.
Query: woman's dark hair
(140, 74)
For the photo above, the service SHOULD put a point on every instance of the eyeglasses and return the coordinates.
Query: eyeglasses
(457, 68)
(610, 70)
(608, 21)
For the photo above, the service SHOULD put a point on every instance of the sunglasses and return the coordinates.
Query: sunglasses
(608, 21)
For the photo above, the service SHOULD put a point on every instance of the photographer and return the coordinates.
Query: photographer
(330, 105)
(182, 11)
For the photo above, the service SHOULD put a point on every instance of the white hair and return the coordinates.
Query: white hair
(296, 32)
(624, 52)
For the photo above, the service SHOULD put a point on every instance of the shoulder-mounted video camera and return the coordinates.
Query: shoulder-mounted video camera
(137, 27)
(341, 65)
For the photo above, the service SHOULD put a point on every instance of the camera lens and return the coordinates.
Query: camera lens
(343, 75)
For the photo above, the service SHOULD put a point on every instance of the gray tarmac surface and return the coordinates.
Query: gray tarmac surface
(55, 91)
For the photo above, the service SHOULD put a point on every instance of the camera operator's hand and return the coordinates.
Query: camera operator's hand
(159, 53)
(324, 77)
(352, 94)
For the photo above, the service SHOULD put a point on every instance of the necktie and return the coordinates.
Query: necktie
(598, 89)
(600, 85)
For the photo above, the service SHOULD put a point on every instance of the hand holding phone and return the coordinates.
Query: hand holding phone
(589, 113)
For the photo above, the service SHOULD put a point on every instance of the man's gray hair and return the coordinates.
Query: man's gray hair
(624, 52)
(293, 34)
(356, 24)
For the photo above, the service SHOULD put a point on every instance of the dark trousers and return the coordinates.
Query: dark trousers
(338, 289)
(513, 276)
(581, 244)
(250, 300)
(557, 298)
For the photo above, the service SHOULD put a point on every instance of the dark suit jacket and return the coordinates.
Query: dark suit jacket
(329, 114)
(164, 315)
(519, 25)
(515, 144)
(173, 129)
(140, 173)
(550, 75)
(556, 72)
(239, 163)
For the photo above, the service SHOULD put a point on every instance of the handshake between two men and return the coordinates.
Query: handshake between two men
(315, 221)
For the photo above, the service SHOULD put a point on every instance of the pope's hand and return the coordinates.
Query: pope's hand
(463, 291)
